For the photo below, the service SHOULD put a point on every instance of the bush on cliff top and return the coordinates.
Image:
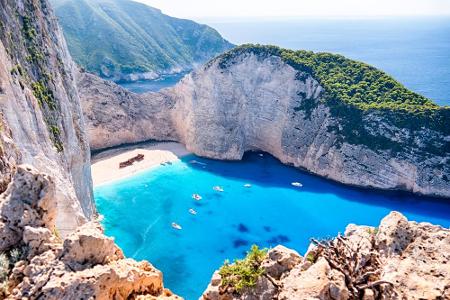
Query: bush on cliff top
(353, 90)
(343, 79)
(243, 273)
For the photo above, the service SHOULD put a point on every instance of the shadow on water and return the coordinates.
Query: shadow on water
(254, 168)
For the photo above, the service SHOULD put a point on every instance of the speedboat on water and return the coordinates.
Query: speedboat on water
(218, 188)
(297, 184)
(176, 226)
(196, 197)
(247, 185)
(197, 162)
(192, 211)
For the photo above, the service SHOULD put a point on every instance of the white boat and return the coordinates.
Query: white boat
(218, 188)
(247, 185)
(261, 155)
(297, 184)
(196, 197)
(192, 211)
(176, 226)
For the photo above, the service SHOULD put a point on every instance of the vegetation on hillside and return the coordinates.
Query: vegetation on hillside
(110, 37)
(243, 273)
(352, 91)
(346, 80)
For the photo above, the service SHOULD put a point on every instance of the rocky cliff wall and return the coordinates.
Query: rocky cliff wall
(259, 102)
(116, 116)
(397, 260)
(50, 245)
(42, 121)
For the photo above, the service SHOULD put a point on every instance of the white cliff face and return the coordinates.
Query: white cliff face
(116, 116)
(50, 136)
(223, 113)
(256, 103)
(261, 103)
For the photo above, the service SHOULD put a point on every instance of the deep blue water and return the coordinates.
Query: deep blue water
(144, 86)
(415, 51)
(139, 211)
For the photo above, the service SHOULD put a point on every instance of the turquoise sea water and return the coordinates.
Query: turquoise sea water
(139, 211)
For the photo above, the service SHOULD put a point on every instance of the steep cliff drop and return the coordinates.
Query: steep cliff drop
(42, 119)
(332, 116)
(50, 245)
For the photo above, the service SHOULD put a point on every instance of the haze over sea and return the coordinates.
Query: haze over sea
(415, 51)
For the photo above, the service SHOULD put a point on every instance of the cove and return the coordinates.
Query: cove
(145, 86)
(138, 212)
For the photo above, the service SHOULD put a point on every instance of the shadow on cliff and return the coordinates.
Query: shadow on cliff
(254, 168)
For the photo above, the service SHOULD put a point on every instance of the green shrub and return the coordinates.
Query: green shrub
(343, 79)
(355, 91)
(43, 94)
(244, 273)
(311, 257)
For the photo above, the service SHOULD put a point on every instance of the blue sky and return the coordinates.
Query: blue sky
(198, 9)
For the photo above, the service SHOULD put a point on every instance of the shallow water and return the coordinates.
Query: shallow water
(144, 86)
(139, 211)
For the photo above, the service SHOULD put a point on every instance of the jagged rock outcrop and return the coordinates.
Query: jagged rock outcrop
(398, 260)
(41, 119)
(86, 265)
(254, 100)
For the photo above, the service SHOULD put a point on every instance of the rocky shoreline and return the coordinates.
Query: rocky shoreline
(399, 259)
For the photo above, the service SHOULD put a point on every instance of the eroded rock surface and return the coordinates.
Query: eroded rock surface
(259, 102)
(41, 122)
(398, 260)
(86, 265)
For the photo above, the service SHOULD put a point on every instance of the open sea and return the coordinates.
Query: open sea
(139, 211)
(415, 51)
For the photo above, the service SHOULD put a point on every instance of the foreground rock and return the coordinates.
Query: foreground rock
(252, 99)
(41, 121)
(86, 265)
(397, 260)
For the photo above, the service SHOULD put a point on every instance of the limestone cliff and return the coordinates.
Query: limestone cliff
(37, 264)
(397, 260)
(41, 118)
(253, 98)
(51, 246)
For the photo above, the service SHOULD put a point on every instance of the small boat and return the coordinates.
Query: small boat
(247, 185)
(218, 188)
(297, 184)
(197, 162)
(261, 155)
(196, 197)
(176, 226)
(192, 211)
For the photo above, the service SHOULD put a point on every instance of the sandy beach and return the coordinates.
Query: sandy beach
(105, 165)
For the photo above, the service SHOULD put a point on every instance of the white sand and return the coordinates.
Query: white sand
(105, 165)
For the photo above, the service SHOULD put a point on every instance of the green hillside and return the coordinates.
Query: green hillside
(355, 92)
(116, 37)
